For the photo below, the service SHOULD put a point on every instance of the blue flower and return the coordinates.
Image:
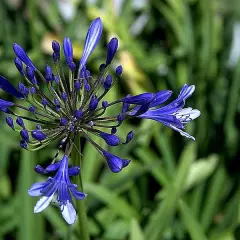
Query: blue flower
(60, 186)
(173, 114)
(75, 104)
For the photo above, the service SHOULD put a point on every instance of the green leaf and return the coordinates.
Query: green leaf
(135, 231)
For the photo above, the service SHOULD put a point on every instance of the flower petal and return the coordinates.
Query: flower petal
(6, 86)
(35, 189)
(160, 98)
(77, 194)
(92, 39)
(139, 99)
(69, 213)
(42, 203)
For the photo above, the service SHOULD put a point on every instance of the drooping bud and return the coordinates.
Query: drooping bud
(119, 71)
(93, 103)
(111, 50)
(120, 118)
(24, 135)
(38, 135)
(19, 65)
(32, 109)
(78, 114)
(44, 102)
(48, 73)
(104, 104)
(74, 171)
(9, 122)
(129, 137)
(20, 122)
(40, 169)
(23, 144)
(110, 139)
(64, 96)
(113, 130)
(108, 82)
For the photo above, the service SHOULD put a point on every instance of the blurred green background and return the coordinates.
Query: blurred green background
(174, 188)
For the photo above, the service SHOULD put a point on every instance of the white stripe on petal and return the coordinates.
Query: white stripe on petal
(69, 213)
(182, 132)
(42, 203)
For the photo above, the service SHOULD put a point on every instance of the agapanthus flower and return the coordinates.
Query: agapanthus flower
(74, 105)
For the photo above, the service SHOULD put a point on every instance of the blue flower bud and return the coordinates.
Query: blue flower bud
(64, 96)
(38, 135)
(129, 137)
(111, 50)
(32, 90)
(102, 67)
(108, 82)
(23, 144)
(113, 130)
(32, 109)
(78, 114)
(55, 79)
(72, 66)
(104, 104)
(115, 163)
(55, 57)
(63, 121)
(87, 74)
(93, 103)
(91, 123)
(9, 122)
(30, 73)
(74, 171)
(20, 122)
(24, 135)
(19, 65)
(21, 54)
(56, 101)
(68, 50)
(119, 71)
(38, 127)
(86, 86)
(48, 73)
(110, 139)
(120, 118)
(82, 72)
(77, 85)
(56, 47)
(53, 167)
(39, 169)
(140, 99)
(44, 102)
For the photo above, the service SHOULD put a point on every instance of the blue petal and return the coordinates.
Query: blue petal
(168, 120)
(21, 54)
(6, 86)
(92, 39)
(139, 99)
(77, 194)
(160, 98)
(35, 189)
(4, 106)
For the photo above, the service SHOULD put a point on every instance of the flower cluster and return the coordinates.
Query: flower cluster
(62, 107)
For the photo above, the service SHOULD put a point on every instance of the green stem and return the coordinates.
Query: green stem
(82, 215)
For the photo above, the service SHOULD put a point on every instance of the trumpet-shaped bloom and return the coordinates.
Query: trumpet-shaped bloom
(60, 186)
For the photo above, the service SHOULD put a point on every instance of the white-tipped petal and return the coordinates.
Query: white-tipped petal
(42, 203)
(182, 132)
(69, 213)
